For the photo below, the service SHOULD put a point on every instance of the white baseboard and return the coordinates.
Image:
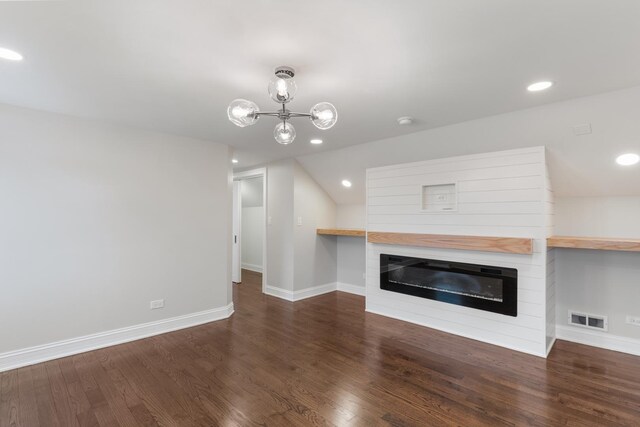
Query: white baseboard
(42, 353)
(352, 289)
(277, 292)
(598, 339)
(252, 267)
(550, 346)
(301, 294)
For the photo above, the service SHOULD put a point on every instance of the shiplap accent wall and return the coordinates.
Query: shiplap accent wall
(551, 264)
(499, 194)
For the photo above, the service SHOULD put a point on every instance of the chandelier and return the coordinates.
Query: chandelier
(282, 88)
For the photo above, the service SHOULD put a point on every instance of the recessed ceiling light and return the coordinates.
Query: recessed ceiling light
(346, 183)
(538, 86)
(9, 54)
(234, 161)
(628, 159)
(316, 141)
(405, 121)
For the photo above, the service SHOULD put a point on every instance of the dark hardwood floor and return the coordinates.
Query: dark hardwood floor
(321, 361)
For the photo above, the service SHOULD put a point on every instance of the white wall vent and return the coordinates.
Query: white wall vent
(586, 320)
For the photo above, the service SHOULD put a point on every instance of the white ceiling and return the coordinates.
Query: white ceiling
(579, 165)
(175, 66)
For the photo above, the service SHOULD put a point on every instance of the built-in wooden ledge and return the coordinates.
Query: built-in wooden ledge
(512, 245)
(600, 243)
(342, 232)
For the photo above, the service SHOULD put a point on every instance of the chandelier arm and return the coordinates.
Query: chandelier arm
(268, 113)
(281, 114)
(293, 114)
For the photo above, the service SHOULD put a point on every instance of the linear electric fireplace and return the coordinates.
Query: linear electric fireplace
(482, 287)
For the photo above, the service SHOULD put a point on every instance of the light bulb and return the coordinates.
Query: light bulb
(10, 55)
(324, 115)
(282, 89)
(538, 86)
(242, 112)
(284, 133)
(628, 159)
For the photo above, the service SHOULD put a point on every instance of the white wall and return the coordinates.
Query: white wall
(300, 263)
(598, 216)
(599, 282)
(252, 223)
(252, 232)
(351, 216)
(314, 256)
(280, 225)
(352, 256)
(96, 221)
(499, 194)
(351, 250)
(251, 192)
(549, 200)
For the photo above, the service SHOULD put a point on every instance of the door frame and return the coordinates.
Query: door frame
(255, 173)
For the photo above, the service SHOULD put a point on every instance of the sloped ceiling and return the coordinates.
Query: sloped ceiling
(175, 66)
(580, 165)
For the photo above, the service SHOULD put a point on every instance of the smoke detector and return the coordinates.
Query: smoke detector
(405, 121)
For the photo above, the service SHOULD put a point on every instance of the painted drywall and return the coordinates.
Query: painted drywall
(498, 194)
(315, 256)
(549, 201)
(97, 221)
(598, 216)
(251, 192)
(300, 263)
(280, 241)
(252, 223)
(351, 216)
(599, 282)
(351, 250)
(351, 265)
(252, 238)
(579, 165)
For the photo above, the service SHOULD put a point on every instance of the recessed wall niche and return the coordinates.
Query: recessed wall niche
(439, 198)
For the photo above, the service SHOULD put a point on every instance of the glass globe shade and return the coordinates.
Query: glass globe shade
(324, 115)
(282, 89)
(242, 112)
(284, 133)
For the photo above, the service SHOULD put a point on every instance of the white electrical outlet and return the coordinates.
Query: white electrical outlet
(633, 320)
(159, 303)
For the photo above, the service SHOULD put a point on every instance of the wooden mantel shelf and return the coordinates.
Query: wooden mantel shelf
(600, 243)
(513, 245)
(341, 232)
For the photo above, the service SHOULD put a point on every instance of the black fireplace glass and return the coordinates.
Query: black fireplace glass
(483, 287)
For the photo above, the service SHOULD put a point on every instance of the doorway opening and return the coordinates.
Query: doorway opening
(250, 227)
